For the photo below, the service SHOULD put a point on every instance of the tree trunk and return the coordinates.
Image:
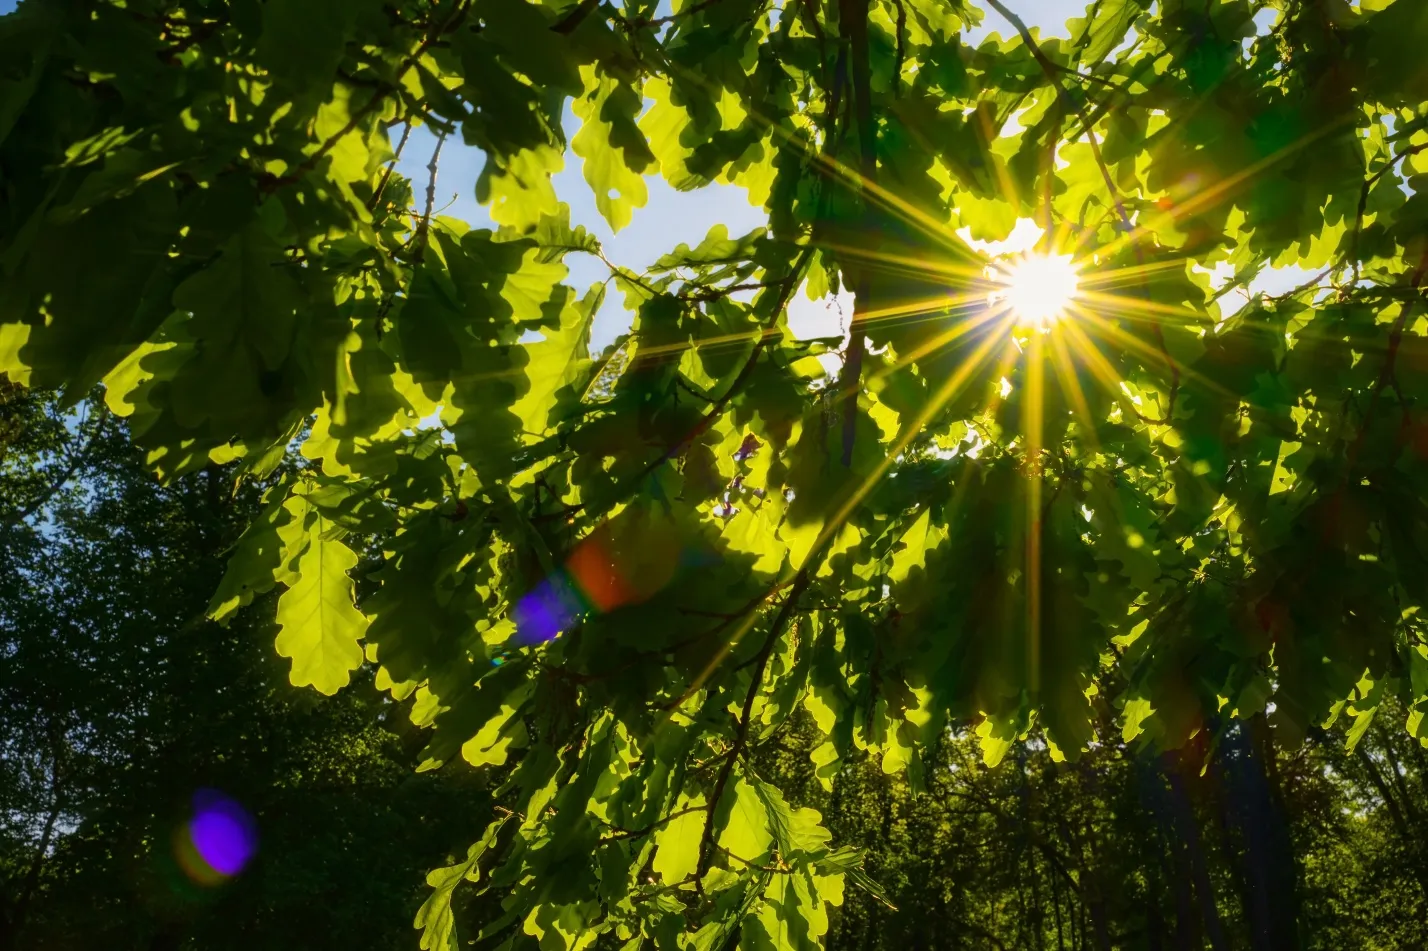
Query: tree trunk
(1188, 830)
(32, 878)
(1251, 797)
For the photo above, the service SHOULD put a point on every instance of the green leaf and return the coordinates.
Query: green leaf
(677, 845)
(518, 187)
(794, 830)
(435, 918)
(612, 146)
(559, 367)
(319, 626)
(262, 558)
(743, 821)
(1137, 711)
(1106, 31)
(245, 298)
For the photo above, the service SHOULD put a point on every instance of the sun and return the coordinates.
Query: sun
(1037, 289)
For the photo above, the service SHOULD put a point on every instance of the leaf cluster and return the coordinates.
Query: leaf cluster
(609, 580)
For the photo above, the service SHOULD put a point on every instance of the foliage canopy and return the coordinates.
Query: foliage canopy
(611, 579)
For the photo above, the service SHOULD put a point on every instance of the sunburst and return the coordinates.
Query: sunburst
(1037, 290)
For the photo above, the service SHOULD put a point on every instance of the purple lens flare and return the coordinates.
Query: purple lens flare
(222, 833)
(548, 609)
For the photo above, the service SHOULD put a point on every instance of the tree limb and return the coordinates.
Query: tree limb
(1363, 200)
(741, 735)
(853, 20)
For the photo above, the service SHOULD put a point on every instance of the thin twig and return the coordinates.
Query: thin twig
(642, 22)
(308, 164)
(639, 833)
(1077, 74)
(419, 240)
(1364, 195)
(417, 244)
(387, 175)
(1051, 69)
(716, 293)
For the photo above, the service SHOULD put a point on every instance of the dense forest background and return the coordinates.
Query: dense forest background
(118, 701)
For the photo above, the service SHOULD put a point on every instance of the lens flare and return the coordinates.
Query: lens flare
(549, 608)
(218, 841)
(1037, 289)
(612, 567)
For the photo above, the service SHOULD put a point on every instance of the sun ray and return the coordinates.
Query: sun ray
(1129, 273)
(1070, 384)
(1033, 415)
(908, 265)
(1124, 305)
(955, 382)
(933, 306)
(1099, 366)
(959, 329)
(1132, 342)
(953, 385)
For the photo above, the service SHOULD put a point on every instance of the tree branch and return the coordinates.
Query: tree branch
(853, 19)
(741, 735)
(420, 237)
(639, 833)
(1364, 195)
(642, 22)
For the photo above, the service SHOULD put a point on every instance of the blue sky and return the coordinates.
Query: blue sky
(670, 217)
